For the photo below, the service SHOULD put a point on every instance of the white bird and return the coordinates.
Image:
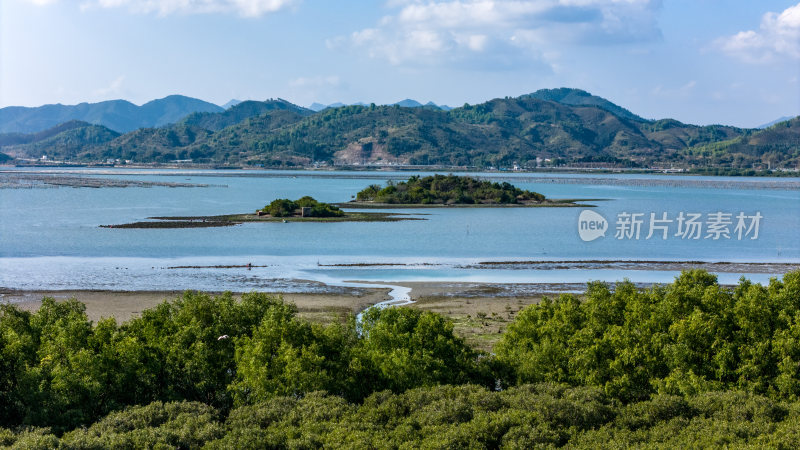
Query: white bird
(224, 336)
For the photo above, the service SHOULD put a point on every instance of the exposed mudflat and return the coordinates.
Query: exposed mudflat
(124, 305)
(726, 267)
(237, 219)
(15, 180)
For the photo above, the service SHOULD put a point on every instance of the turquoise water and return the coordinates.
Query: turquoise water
(50, 238)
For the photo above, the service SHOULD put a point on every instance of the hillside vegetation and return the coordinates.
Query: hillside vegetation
(67, 141)
(776, 146)
(546, 128)
(577, 97)
(239, 113)
(689, 363)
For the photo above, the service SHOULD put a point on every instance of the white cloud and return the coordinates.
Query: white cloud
(244, 8)
(113, 88)
(447, 31)
(777, 37)
(316, 82)
(681, 91)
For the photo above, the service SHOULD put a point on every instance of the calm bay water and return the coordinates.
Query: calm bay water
(50, 238)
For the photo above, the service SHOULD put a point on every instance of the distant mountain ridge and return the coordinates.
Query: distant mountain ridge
(543, 128)
(119, 115)
(214, 121)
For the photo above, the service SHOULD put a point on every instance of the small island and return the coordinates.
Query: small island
(417, 192)
(449, 190)
(305, 209)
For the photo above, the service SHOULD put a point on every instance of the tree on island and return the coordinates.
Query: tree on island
(448, 190)
(283, 207)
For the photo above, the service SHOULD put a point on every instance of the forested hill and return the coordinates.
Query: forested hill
(774, 145)
(66, 141)
(8, 139)
(240, 112)
(578, 97)
(547, 128)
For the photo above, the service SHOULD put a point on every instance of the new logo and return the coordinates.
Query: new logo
(591, 225)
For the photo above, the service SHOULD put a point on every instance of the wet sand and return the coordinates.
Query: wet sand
(480, 321)
(719, 267)
(124, 305)
(479, 315)
(480, 311)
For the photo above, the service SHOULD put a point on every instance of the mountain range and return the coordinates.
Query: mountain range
(239, 112)
(547, 127)
(119, 115)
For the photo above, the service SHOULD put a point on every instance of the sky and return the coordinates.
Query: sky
(733, 62)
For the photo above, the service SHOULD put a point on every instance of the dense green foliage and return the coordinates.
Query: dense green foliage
(447, 189)
(691, 363)
(283, 207)
(684, 338)
(59, 370)
(467, 416)
(559, 127)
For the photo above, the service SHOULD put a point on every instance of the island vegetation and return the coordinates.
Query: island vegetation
(688, 364)
(303, 207)
(450, 190)
(436, 190)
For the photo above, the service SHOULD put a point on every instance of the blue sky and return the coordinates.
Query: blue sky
(734, 62)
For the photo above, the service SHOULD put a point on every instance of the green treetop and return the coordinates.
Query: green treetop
(449, 190)
(284, 207)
